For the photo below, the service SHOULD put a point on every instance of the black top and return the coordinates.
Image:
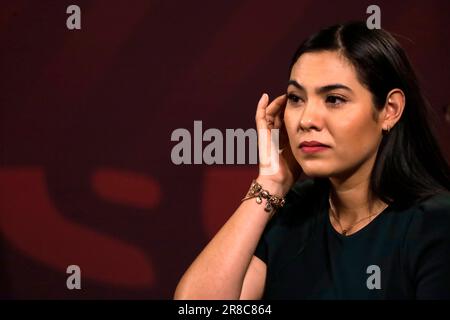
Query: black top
(400, 254)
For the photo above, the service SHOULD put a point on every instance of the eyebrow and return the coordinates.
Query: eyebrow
(321, 90)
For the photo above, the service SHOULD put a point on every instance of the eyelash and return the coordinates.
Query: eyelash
(295, 99)
(342, 100)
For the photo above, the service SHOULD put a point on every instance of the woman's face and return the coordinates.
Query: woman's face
(327, 103)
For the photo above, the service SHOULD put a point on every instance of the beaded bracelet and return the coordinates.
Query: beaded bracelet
(256, 191)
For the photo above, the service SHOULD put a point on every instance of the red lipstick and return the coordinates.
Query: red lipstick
(313, 146)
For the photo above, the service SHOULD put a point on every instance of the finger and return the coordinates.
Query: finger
(275, 110)
(276, 106)
(260, 116)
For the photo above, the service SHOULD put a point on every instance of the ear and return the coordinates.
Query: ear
(393, 109)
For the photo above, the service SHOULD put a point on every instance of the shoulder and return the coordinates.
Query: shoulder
(433, 214)
(427, 247)
(429, 223)
(436, 205)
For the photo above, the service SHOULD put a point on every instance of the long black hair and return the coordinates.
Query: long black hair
(410, 165)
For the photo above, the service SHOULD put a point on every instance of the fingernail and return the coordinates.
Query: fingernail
(260, 99)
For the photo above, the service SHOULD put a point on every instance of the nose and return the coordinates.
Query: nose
(305, 124)
(309, 119)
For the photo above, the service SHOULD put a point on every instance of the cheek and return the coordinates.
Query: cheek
(290, 123)
(355, 137)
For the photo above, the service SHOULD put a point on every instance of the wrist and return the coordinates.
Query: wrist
(272, 201)
(274, 187)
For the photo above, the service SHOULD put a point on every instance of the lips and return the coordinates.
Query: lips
(312, 144)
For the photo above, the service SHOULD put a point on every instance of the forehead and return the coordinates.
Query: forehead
(314, 69)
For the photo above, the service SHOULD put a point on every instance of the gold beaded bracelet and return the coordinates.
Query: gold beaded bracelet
(256, 191)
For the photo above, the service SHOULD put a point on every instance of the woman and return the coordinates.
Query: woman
(373, 222)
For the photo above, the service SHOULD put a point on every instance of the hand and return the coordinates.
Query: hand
(269, 117)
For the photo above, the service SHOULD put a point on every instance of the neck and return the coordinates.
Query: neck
(352, 198)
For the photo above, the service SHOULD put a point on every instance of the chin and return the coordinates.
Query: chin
(317, 175)
(316, 172)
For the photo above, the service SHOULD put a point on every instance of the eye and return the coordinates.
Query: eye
(293, 98)
(335, 100)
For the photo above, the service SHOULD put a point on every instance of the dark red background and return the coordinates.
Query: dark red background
(86, 119)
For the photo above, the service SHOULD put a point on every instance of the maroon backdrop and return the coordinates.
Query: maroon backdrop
(87, 115)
